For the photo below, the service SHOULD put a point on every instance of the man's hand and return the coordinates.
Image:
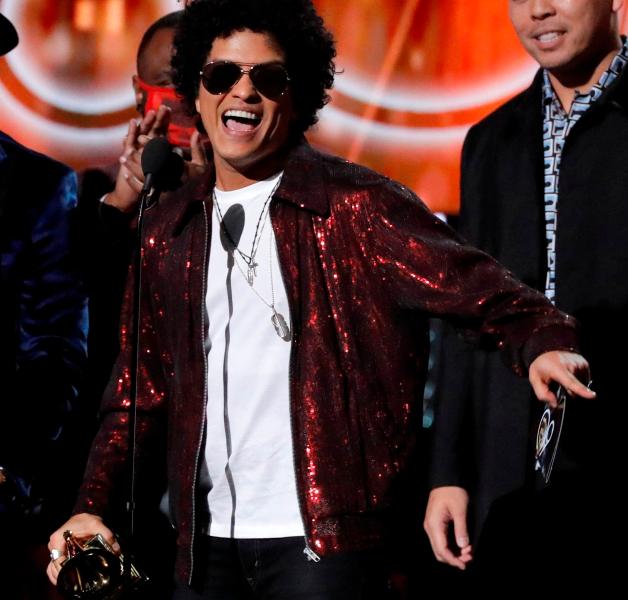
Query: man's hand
(83, 526)
(130, 179)
(445, 505)
(565, 368)
(130, 176)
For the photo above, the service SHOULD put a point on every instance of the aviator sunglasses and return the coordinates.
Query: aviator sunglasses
(270, 79)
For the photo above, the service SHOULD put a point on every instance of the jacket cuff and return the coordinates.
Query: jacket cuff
(446, 480)
(92, 501)
(116, 223)
(445, 469)
(547, 339)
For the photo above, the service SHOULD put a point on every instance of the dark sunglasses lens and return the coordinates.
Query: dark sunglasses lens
(270, 80)
(220, 77)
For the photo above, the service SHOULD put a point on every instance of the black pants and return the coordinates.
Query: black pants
(277, 569)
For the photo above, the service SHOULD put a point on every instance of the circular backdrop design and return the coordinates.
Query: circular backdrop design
(414, 75)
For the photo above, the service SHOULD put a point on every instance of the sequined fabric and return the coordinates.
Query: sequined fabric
(364, 264)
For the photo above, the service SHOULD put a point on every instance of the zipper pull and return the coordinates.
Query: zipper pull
(310, 554)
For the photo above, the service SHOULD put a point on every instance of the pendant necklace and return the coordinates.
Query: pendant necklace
(277, 319)
(249, 259)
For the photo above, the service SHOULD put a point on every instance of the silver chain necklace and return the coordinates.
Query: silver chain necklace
(249, 259)
(277, 319)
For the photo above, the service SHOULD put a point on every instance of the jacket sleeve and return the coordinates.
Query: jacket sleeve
(452, 449)
(427, 267)
(452, 455)
(106, 482)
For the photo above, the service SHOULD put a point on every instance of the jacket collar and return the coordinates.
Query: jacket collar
(304, 181)
(531, 96)
(615, 95)
(303, 164)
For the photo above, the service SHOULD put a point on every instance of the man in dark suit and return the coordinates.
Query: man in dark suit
(43, 323)
(545, 191)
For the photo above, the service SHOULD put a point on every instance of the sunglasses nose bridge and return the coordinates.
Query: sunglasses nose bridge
(244, 80)
(264, 80)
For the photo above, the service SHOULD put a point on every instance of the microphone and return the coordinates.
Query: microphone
(162, 166)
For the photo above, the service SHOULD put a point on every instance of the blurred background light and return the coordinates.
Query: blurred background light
(414, 75)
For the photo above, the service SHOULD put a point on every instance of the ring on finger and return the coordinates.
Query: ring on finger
(55, 554)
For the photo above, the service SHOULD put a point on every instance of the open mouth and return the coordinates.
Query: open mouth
(549, 36)
(240, 120)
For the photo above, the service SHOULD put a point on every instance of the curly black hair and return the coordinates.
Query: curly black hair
(294, 24)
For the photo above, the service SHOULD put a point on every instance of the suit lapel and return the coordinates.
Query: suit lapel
(522, 164)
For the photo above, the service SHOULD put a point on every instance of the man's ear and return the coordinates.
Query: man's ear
(197, 104)
(140, 98)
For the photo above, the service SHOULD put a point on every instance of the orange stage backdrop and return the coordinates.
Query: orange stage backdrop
(415, 75)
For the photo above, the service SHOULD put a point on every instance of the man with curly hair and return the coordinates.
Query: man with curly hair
(284, 329)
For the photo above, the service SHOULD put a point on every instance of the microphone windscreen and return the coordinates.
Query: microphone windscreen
(155, 156)
(163, 164)
(232, 227)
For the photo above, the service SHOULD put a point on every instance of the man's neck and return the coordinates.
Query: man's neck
(567, 83)
(231, 177)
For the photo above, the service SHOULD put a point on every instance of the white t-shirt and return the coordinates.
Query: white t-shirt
(249, 441)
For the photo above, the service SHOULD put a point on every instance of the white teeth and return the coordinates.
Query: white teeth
(548, 37)
(242, 114)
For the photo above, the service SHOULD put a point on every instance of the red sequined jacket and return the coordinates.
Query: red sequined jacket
(364, 264)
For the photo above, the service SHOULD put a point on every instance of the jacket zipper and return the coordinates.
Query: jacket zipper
(200, 442)
(307, 550)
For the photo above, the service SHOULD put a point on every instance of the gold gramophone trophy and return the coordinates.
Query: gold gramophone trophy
(93, 571)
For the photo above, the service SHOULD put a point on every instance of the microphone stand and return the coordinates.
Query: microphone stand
(148, 193)
(157, 163)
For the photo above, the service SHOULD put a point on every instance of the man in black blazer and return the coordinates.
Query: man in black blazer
(545, 191)
(43, 329)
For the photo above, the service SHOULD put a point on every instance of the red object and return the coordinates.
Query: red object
(414, 75)
(182, 125)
